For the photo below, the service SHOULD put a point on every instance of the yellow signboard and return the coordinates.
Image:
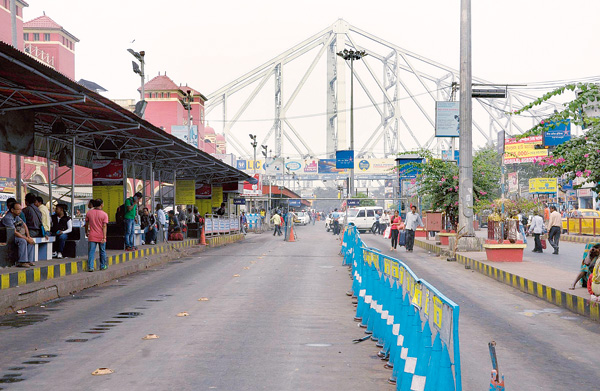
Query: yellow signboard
(542, 185)
(437, 312)
(426, 303)
(185, 192)
(387, 266)
(112, 196)
(417, 295)
(523, 150)
(203, 206)
(217, 196)
(395, 270)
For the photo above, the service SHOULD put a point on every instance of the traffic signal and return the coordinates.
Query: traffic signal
(264, 150)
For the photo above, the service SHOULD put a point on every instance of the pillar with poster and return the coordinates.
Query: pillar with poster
(108, 184)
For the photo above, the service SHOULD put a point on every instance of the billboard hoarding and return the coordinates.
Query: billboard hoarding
(447, 119)
(407, 168)
(344, 159)
(556, 134)
(183, 133)
(252, 189)
(328, 166)
(523, 151)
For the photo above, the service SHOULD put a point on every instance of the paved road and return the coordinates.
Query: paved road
(283, 324)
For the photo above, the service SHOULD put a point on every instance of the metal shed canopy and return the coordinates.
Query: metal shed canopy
(102, 129)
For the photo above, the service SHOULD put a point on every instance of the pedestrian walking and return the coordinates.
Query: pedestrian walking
(23, 241)
(537, 228)
(384, 222)
(554, 226)
(413, 220)
(131, 207)
(243, 223)
(96, 221)
(397, 225)
(276, 219)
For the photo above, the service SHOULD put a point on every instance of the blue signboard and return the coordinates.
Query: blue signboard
(241, 165)
(407, 168)
(295, 202)
(565, 185)
(557, 135)
(239, 201)
(353, 202)
(344, 159)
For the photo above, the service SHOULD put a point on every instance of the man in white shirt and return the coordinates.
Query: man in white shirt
(537, 228)
(554, 226)
(413, 220)
(162, 221)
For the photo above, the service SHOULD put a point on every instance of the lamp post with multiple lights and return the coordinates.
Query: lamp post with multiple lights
(139, 69)
(351, 55)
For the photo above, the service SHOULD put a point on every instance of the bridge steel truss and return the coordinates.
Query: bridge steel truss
(399, 75)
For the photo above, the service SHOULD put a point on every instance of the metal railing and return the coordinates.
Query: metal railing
(39, 54)
(581, 225)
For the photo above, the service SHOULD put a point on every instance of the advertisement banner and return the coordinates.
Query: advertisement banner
(217, 196)
(447, 119)
(252, 189)
(328, 166)
(407, 168)
(557, 135)
(344, 159)
(8, 185)
(203, 190)
(375, 166)
(513, 182)
(112, 196)
(183, 133)
(523, 151)
(542, 185)
(107, 172)
(185, 192)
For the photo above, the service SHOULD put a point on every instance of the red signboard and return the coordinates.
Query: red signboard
(107, 172)
(203, 190)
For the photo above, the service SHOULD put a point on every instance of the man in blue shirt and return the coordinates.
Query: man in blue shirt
(24, 242)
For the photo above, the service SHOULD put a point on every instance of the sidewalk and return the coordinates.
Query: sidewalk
(546, 276)
(12, 277)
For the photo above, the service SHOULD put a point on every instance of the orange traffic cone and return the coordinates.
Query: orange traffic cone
(292, 238)
(202, 237)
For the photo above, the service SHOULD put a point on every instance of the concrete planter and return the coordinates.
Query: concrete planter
(504, 252)
(420, 233)
(445, 237)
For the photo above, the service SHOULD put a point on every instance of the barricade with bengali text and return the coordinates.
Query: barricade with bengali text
(413, 323)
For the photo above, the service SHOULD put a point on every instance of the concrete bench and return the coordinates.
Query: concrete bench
(76, 244)
(115, 236)
(8, 249)
(43, 248)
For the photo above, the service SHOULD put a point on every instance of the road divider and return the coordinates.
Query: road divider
(413, 323)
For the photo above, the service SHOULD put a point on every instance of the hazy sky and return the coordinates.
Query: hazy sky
(208, 44)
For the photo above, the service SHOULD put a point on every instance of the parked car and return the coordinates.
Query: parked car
(585, 226)
(364, 217)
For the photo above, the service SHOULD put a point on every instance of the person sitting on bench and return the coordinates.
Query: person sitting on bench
(24, 242)
(61, 226)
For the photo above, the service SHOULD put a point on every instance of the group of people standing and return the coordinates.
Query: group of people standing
(551, 224)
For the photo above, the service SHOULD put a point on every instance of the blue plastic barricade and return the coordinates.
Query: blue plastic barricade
(413, 323)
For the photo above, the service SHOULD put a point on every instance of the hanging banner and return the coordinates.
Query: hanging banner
(107, 172)
(204, 206)
(513, 182)
(185, 192)
(217, 196)
(447, 119)
(203, 190)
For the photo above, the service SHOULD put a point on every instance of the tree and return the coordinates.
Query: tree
(580, 156)
(438, 184)
(365, 201)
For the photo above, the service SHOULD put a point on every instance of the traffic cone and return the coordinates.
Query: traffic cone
(291, 237)
(202, 237)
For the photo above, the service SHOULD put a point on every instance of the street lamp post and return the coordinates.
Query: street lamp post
(254, 144)
(187, 104)
(139, 69)
(351, 55)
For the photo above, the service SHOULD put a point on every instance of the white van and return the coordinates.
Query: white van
(364, 217)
